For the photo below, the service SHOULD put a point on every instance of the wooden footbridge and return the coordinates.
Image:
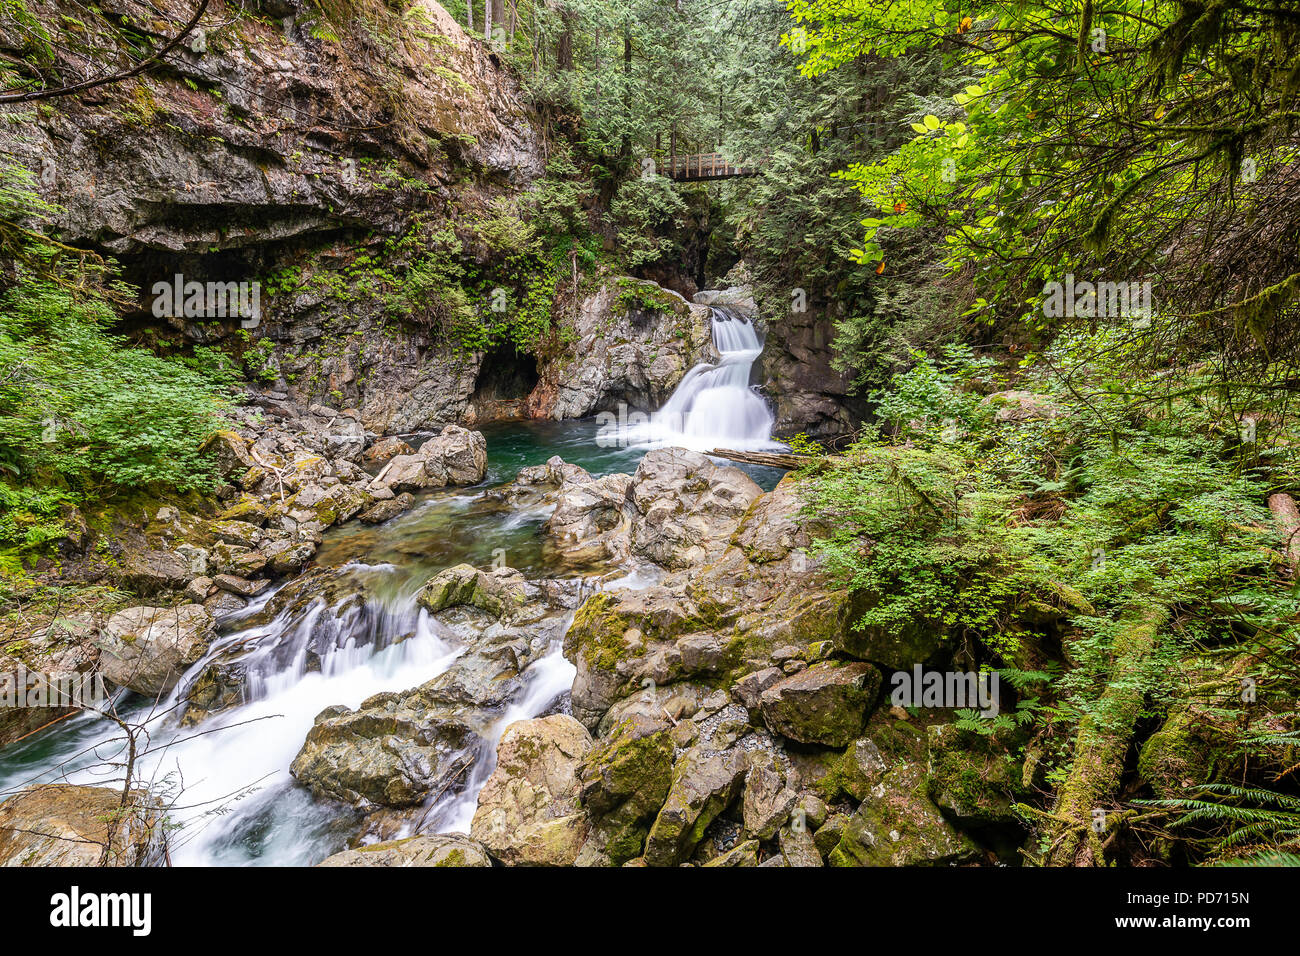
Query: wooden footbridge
(699, 167)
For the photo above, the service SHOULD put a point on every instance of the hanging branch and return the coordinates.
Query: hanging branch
(116, 77)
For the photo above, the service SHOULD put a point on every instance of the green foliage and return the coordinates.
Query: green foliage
(81, 405)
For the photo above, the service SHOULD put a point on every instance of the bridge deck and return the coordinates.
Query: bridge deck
(703, 166)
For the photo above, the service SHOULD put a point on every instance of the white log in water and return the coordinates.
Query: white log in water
(714, 406)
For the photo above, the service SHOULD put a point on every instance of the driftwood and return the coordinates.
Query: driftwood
(1287, 517)
(765, 458)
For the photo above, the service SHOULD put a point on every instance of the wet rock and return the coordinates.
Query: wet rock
(501, 592)
(285, 557)
(427, 849)
(148, 648)
(46, 674)
(67, 825)
(528, 812)
(826, 704)
(387, 510)
(635, 342)
(397, 749)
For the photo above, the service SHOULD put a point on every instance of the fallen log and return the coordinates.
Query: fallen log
(1101, 745)
(765, 458)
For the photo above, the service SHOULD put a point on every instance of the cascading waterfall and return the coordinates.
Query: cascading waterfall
(714, 405)
(230, 772)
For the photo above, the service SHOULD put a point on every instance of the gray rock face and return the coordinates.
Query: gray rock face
(626, 352)
(427, 849)
(528, 811)
(256, 154)
(67, 825)
(684, 507)
(148, 648)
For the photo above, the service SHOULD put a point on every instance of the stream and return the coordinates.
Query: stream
(350, 628)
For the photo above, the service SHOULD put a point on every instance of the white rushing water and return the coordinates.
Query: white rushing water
(714, 405)
(229, 774)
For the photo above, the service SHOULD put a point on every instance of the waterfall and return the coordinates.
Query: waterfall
(714, 405)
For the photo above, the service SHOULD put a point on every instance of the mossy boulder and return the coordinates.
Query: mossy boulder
(705, 783)
(625, 779)
(1184, 752)
(824, 704)
(973, 779)
(500, 592)
(917, 643)
(898, 825)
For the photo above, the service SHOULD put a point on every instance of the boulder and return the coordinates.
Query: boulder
(898, 825)
(385, 448)
(455, 457)
(767, 800)
(825, 704)
(427, 849)
(152, 571)
(624, 778)
(500, 592)
(684, 507)
(148, 648)
(528, 811)
(68, 825)
(974, 780)
(229, 451)
(397, 749)
(387, 510)
(705, 782)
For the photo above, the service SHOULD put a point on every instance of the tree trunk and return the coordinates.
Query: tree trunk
(1287, 517)
(469, 15)
(487, 20)
(564, 50)
(1099, 749)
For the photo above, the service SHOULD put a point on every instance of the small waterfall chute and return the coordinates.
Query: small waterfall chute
(714, 406)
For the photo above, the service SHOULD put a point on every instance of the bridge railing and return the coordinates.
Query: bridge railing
(696, 166)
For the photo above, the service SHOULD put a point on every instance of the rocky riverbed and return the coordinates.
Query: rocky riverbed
(557, 667)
